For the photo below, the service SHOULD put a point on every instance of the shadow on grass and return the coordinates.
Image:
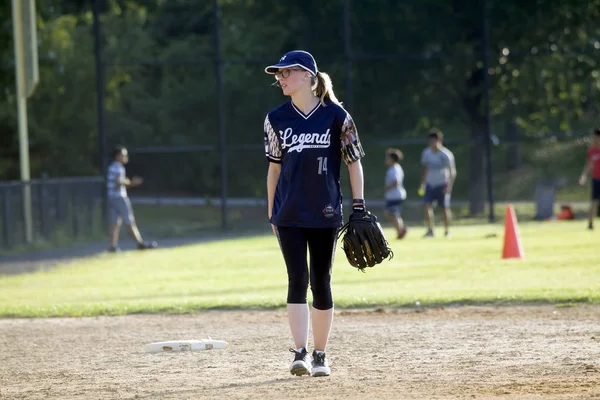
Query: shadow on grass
(343, 308)
(208, 292)
(179, 226)
(32, 261)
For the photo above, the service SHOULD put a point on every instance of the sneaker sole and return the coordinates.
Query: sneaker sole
(321, 373)
(299, 369)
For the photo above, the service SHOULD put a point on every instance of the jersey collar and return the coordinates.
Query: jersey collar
(302, 114)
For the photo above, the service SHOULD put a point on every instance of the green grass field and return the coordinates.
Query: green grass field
(561, 265)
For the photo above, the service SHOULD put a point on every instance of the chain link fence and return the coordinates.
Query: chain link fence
(64, 211)
(181, 84)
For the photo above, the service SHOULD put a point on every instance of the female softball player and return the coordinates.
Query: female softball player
(306, 140)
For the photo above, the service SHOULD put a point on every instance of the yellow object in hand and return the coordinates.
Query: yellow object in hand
(421, 192)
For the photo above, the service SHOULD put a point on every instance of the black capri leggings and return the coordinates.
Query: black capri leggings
(321, 243)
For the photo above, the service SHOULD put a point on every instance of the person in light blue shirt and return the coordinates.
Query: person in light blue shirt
(119, 205)
(395, 194)
(439, 174)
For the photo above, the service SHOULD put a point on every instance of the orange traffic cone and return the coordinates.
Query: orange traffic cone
(512, 240)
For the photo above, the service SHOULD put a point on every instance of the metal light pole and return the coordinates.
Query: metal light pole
(26, 77)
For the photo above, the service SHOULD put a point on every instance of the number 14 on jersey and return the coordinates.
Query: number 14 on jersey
(322, 165)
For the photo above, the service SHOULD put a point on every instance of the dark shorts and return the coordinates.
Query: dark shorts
(394, 207)
(595, 189)
(436, 194)
(119, 209)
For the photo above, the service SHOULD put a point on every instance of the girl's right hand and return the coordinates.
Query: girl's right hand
(274, 229)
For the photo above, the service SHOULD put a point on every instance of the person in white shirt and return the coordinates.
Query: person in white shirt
(395, 194)
(439, 174)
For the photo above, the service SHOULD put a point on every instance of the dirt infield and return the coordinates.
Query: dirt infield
(467, 352)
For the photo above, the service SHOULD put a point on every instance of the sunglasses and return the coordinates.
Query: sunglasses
(285, 73)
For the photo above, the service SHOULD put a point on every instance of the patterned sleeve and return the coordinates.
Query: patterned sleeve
(272, 146)
(352, 149)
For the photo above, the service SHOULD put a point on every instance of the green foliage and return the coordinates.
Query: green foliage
(546, 77)
(414, 64)
(8, 137)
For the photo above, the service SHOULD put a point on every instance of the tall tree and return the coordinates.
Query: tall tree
(415, 64)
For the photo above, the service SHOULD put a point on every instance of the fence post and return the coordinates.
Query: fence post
(42, 207)
(100, 98)
(90, 207)
(74, 211)
(486, 101)
(6, 215)
(348, 101)
(221, 112)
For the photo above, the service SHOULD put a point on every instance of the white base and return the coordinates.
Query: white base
(185, 345)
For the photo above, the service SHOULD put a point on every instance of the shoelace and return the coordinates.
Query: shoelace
(298, 355)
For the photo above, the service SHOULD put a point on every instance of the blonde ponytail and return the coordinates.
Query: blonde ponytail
(323, 88)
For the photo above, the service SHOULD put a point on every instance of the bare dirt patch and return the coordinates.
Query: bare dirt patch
(467, 352)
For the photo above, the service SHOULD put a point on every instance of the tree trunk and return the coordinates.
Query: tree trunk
(477, 171)
(514, 152)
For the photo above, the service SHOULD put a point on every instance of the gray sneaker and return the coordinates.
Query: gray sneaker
(147, 245)
(320, 366)
(429, 234)
(300, 365)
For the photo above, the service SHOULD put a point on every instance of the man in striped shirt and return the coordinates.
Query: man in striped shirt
(119, 205)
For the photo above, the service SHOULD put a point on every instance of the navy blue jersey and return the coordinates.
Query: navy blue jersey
(310, 149)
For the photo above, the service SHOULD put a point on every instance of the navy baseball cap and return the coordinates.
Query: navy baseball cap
(296, 58)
